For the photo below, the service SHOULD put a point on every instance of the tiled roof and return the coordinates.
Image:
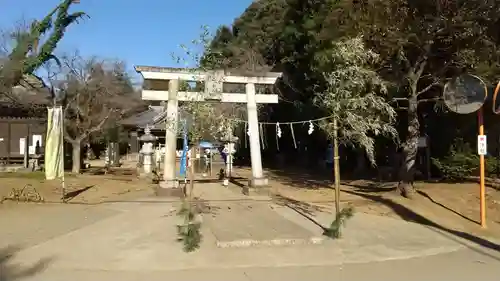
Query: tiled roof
(31, 90)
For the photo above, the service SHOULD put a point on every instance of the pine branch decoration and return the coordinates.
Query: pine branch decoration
(335, 229)
(190, 232)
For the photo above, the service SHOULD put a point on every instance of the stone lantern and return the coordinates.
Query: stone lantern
(147, 151)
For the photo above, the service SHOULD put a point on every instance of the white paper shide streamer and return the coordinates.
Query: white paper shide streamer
(311, 128)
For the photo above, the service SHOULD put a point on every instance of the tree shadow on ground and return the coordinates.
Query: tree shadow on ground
(71, 195)
(302, 179)
(488, 181)
(10, 271)
(373, 193)
(112, 171)
(315, 179)
(237, 182)
(424, 194)
(298, 206)
(373, 187)
(411, 216)
(203, 207)
(366, 188)
(305, 214)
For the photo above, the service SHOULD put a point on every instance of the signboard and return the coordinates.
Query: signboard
(481, 145)
(22, 145)
(422, 142)
(214, 85)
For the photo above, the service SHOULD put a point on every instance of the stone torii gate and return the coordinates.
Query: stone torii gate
(214, 81)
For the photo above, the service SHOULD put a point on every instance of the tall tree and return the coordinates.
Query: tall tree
(30, 50)
(422, 43)
(95, 95)
(354, 99)
(356, 96)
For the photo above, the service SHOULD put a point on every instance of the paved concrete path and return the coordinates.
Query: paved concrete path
(24, 225)
(138, 239)
(142, 237)
(463, 265)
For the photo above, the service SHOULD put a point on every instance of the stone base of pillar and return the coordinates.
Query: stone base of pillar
(143, 175)
(169, 189)
(258, 182)
(169, 184)
(257, 187)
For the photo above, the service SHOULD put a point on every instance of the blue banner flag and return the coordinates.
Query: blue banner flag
(184, 153)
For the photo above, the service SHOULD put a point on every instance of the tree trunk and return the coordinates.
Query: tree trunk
(76, 156)
(410, 148)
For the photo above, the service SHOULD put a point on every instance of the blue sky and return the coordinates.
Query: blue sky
(139, 32)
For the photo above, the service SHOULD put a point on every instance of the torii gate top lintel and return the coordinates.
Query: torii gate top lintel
(214, 80)
(171, 73)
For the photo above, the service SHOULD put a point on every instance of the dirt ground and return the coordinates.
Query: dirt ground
(450, 207)
(91, 188)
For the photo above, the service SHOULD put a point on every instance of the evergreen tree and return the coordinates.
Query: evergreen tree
(30, 52)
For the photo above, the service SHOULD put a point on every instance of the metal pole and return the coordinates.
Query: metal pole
(482, 203)
(26, 148)
(210, 158)
(428, 157)
(498, 157)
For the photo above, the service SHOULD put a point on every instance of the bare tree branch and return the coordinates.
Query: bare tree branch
(424, 90)
(430, 100)
(96, 95)
(97, 127)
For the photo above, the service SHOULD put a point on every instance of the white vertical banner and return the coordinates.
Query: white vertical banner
(54, 153)
(22, 145)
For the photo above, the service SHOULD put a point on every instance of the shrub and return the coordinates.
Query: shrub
(463, 162)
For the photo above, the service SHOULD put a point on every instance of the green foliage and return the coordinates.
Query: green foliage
(190, 231)
(457, 166)
(462, 162)
(29, 53)
(354, 96)
(335, 229)
(420, 44)
(441, 38)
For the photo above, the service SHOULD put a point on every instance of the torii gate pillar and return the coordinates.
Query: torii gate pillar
(258, 178)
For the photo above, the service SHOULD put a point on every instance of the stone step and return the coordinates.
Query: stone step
(249, 224)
